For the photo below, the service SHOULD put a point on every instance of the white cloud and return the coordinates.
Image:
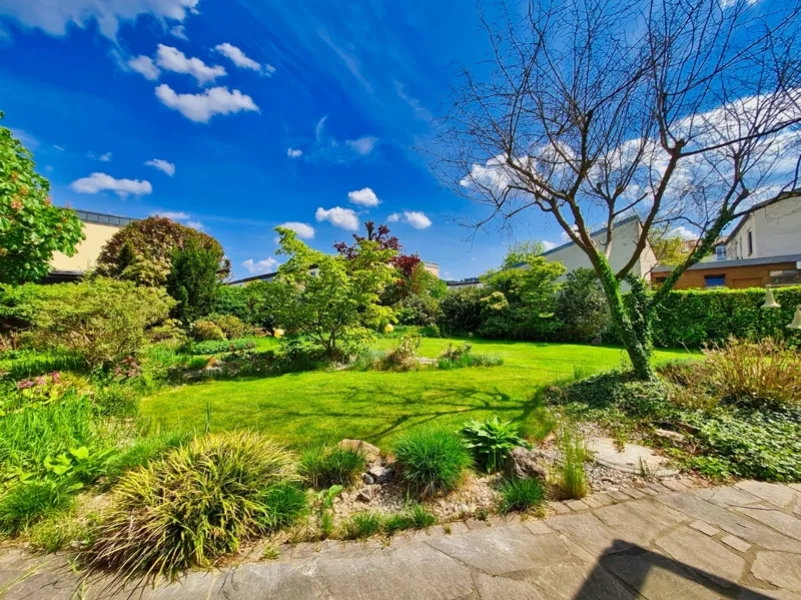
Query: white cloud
(179, 31)
(202, 107)
(343, 218)
(175, 216)
(101, 157)
(195, 225)
(261, 266)
(100, 182)
(547, 245)
(684, 233)
(145, 66)
(416, 219)
(363, 145)
(53, 17)
(294, 153)
(162, 165)
(241, 60)
(364, 197)
(30, 142)
(172, 59)
(304, 230)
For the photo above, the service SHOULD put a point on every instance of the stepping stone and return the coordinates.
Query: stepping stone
(261, 580)
(414, 572)
(736, 543)
(559, 508)
(779, 521)
(603, 498)
(777, 494)
(633, 492)
(590, 533)
(634, 458)
(618, 496)
(656, 577)
(704, 528)
(640, 522)
(537, 527)
(502, 551)
(779, 568)
(727, 496)
(571, 582)
(704, 555)
(503, 588)
(593, 502)
(674, 485)
(577, 505)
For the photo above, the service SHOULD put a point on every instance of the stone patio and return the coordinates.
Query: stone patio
(742, 542)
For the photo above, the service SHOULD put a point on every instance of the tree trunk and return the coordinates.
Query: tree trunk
(633, 323)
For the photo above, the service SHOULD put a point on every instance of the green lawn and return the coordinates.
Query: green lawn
(305, 408)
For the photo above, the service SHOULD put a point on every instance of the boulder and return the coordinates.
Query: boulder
(381, 474)
(371, 453)
(672, 437)
(368, 479)
(365, 494)
(525, 463)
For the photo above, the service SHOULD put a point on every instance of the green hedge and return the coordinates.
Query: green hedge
(694, 317)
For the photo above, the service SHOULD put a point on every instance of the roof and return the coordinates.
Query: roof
(794, 194)
(262, 277)
(467, 281)
(740, 262)
(88, 216)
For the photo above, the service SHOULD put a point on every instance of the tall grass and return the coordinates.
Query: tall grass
(26, 503)
(323, 467)
(432, 461)
(572, 479)
(521, 494)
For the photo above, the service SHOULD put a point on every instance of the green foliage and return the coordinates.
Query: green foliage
(431, 461)
(581, 308)
(323, 467)
(521, 495)
(332, 300)
(31, 228)
(256, 303)
(492, 441)
(361, 525)
(28, 502)
(572, 479)
(207, 331)
(693, 318)
(526, 251)
(461, 356)
(404, 356)
(143, 452)
(232, 326)
(218, 347)
(460, 311)
(59, 530)
(193, 280)
(194, 506)
(284, 504)
(100, 320)
(366, 524)
(143, 251)
(417, 309)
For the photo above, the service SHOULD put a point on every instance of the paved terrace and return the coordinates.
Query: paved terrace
(742, 542)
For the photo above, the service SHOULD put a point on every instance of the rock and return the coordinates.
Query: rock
(524, 463)
(673, 437)
(371, 453)
(365, 495)
(381, 474)
(368, 479)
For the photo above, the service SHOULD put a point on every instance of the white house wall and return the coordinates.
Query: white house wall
(775, 230)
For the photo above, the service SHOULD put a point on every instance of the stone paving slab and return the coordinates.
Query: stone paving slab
(740, 542)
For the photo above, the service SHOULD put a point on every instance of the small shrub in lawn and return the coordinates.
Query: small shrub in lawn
(572, 479)
(404, 356)
(491, 441)
(26, 503)
(194, 506)
(218, 347)
(460, 357)
(232, 326)
(323, 467)
(367, 359)
(203, 331)
(143, 452)
(431, 461)
(521, 494)
(362, 525)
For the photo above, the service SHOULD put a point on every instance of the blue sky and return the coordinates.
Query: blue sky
(240, 115)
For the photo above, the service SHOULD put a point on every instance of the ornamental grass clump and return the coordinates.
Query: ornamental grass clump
(521, 495)
(323, 467)
(432, 461)
(572, 479)
(196, 505)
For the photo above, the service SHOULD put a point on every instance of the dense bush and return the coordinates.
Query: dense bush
(256, 303)
(100, 320)
(143, 250)
(207, 331)
(460, 311)
(193, 280)
(696, 317)
(196, 505)
(323, 467)
(491, 441)
(581, 308)
(232, 326)
(431, 461)
(217, 347)
(417, 309)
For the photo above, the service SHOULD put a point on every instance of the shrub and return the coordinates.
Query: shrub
(143, 452)
(754, 373)
(324, 467)
(207, 331)
(194, 506)
(460, 357)
(492, 441)
(572, 480)
(581, 307)
(460, 311)
(431, 461)
(218, 347)
(521, 495)
(231, 326)
(116, 399)
(170, 331)
(404, 356)
(26, 503)
(193, 280)
(100, 320)
(361, 525)
(417, 309)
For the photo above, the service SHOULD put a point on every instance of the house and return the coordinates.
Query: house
(470, 282)
(432, 268)
(764, 248)
(98, 229)
(626, 234)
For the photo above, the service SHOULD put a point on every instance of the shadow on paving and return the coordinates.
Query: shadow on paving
(655, 575)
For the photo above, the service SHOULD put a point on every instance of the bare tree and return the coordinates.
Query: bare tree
(680, 111)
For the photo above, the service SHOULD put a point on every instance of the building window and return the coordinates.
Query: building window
(786, 277)
(720, 252)
(711, 281)
(750, 242)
